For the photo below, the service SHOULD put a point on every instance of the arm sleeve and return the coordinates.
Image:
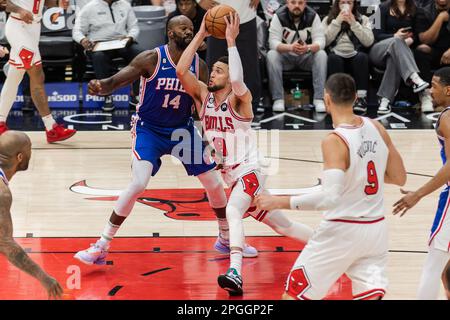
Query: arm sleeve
(325, 199)
(236, 72)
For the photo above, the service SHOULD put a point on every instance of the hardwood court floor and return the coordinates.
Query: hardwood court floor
(45, 206)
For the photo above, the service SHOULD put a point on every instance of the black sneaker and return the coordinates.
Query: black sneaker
(420, 87)
(108, 106)
(231, 282)
(360, 105)
(384, 109)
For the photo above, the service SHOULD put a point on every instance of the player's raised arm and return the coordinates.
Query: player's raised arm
(196, 89)
(142, 65)
(395, 169)
(15, 254)
(236, 72)
(442, 176)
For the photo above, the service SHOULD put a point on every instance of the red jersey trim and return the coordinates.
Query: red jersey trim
(358, 221)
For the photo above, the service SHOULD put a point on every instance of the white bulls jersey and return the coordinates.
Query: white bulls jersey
(231, 135)
(34, 6)
(364, 179)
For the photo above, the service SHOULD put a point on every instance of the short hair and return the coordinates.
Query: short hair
(341, 88)
(444, 75)
(223, 59)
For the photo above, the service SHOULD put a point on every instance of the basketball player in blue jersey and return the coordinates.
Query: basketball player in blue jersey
(15, 153)
(163, 115)
(439, 244)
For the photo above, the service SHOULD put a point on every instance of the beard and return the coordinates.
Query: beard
(215, 88)
(296, 13)
(182, 43)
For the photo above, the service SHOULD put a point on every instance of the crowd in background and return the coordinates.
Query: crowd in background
(399, 44)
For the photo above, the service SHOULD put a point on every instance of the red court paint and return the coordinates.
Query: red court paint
(183, 268)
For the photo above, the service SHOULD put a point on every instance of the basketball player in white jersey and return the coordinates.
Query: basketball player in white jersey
(23, 30)
(15, 153)
(225, 109)
(439, 243)
(359, 158)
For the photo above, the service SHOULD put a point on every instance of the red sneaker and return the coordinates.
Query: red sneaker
(59, 133)
(3, 127)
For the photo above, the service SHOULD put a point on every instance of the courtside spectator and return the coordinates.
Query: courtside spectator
(103, 20)
(296, 40)
(392, 53)
(433, 28)
(348, 35)
(193, 11)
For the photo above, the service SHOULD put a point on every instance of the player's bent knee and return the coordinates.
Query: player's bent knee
(214, 189)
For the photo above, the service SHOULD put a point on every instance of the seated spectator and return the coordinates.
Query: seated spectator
(193, 11)
(103, 20)
(348, 34)
(169, 5)
(296, 40)
(433, 29)
(391, 52)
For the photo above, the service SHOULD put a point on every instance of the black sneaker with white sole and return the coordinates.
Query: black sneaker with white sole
(231, 282)
(384, 109)
(420, 87)
(360, 105)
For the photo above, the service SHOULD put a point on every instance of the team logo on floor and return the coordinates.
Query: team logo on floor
(178, 204)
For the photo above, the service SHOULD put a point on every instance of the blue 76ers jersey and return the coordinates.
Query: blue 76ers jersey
(162, 100)
(441, 139)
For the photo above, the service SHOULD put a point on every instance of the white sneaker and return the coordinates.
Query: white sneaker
(96, 254)
(278, 105)
(426, 102)
(320, 105)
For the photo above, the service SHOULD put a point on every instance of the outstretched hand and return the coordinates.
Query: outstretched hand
(203, 31)
(407, 202)
(233, 22)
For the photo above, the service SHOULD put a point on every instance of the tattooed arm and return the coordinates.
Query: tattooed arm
(14, 253)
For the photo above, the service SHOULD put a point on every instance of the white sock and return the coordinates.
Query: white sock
(361, 93)
(48, 122)
(236, 260)
(416, 78)
(2, 119)
(9, 91)
(224, 233)
(108, 234)
(384, 104)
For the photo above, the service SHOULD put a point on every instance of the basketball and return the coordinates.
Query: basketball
(214, 21)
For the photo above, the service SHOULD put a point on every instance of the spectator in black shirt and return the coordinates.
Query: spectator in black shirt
(193, 11)
(394, 37)
(433, 28)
